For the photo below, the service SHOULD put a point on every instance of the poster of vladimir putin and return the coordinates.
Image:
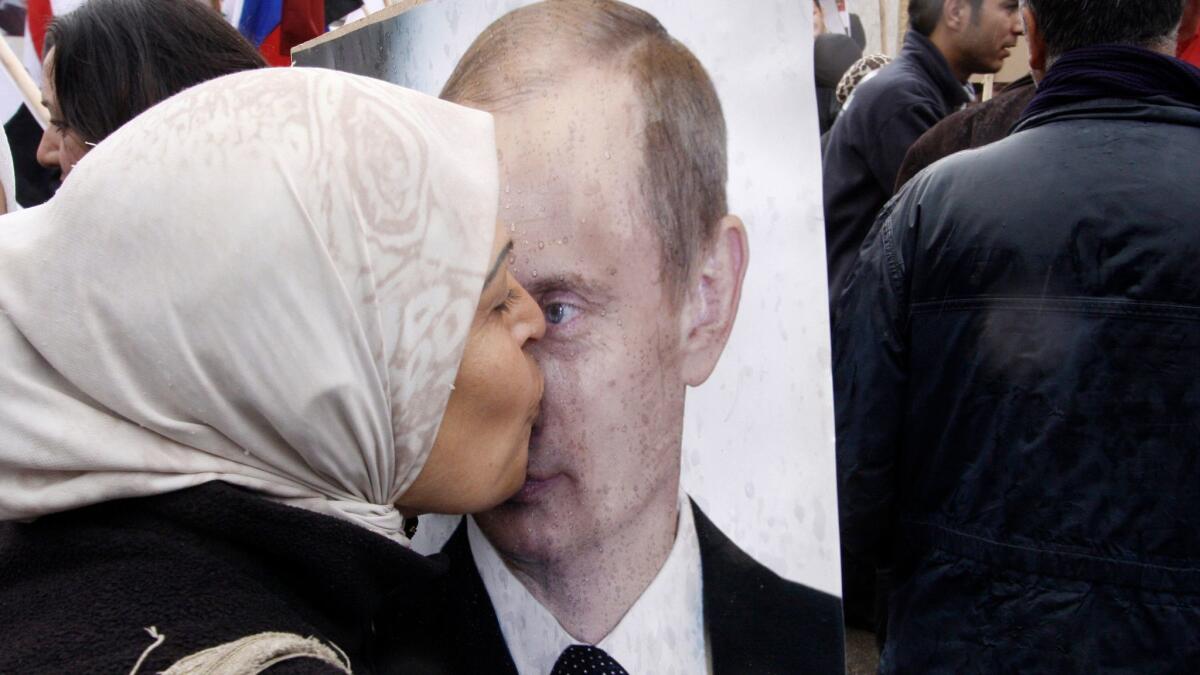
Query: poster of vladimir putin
(660, 180)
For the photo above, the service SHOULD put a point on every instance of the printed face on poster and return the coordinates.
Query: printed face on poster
(634, 183)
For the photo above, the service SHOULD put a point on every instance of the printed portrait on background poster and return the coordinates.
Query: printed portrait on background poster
(679, 510)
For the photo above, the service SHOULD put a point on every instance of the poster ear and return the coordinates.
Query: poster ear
(712, 301)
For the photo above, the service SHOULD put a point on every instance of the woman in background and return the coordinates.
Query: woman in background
(261, 323)
(109, 60)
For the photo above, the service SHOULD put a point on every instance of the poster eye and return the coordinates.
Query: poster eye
(558, 313)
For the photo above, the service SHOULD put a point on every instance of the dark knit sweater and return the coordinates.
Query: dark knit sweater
(204, 566)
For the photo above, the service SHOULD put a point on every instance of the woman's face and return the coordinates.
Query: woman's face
(61, 147)
(478, 459)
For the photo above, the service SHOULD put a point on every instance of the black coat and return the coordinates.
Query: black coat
(1017, 377)
(833, 54)
(885, 116)
(758, 622)
(204, 566)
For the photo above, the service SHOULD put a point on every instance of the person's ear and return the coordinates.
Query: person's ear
(711, 301)
(1037, 45)
(956, 14)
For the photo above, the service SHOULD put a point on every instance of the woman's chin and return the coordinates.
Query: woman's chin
(514, 476)
(515, 480)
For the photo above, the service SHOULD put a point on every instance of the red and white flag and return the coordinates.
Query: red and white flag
(38, 14)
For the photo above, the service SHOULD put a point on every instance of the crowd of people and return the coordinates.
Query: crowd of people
(1015, 334)
(269, 318)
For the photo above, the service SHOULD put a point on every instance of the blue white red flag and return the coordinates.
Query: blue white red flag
(275, 26)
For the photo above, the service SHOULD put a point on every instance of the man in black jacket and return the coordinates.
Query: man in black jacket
(948, 41)
(613, 161)
(1016, 373)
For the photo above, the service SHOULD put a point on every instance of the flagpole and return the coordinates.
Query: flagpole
(21, 78)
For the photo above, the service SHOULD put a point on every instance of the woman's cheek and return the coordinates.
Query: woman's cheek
(504, 381)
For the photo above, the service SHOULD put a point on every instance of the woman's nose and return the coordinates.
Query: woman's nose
(48, 148)
(531, 321)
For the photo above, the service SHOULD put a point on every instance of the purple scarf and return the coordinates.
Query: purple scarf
(1115, 71)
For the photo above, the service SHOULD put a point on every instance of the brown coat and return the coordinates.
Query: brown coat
(974, 127)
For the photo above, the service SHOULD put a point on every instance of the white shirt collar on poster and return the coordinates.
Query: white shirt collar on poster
(662, 633)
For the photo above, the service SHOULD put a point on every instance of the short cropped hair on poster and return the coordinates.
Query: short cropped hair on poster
(684, 140)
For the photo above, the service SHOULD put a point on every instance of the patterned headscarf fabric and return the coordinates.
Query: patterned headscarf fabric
(858, 73)
(268, 280)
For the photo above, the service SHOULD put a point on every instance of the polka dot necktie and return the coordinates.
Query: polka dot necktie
(585, 660)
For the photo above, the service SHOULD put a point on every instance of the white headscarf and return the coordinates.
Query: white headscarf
(267, 280)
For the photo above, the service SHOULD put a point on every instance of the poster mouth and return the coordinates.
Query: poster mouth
(534, 488)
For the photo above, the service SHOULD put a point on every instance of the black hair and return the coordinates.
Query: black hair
(1071, 24)
(114, 59)
(923, 15)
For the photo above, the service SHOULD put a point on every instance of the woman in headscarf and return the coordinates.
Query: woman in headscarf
(262, 323)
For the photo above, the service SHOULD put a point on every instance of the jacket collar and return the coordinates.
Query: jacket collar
(921, 52)
(1161, 110)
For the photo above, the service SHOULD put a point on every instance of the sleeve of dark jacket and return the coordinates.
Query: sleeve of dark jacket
(871, 350)
(894, 136)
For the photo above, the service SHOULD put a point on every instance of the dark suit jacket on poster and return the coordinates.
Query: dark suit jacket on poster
(757, 621)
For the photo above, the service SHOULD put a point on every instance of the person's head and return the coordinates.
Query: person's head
(613, 162)
(975, 36)
(108, 60)
(860, 71)
(293, 280)
(818, 18)
(833, 55)
(1055, 27)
